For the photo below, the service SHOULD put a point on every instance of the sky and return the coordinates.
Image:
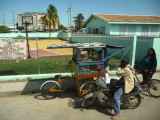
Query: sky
(86, 7)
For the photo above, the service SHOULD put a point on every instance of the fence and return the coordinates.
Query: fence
(14, 53)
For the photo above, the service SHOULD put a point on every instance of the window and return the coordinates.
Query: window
(144, 30)
(102, 29)
(154, 30)
(89, 30)
(95, 31)
(122, 30)
(132, 30)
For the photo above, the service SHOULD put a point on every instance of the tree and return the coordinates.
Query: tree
(45, 21)
(4, 29)
(79, 21)
(52, 16)
(62, 28)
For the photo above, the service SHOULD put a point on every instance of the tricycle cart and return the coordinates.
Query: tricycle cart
(87, 57)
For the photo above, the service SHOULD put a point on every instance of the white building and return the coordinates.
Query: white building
(34, 18)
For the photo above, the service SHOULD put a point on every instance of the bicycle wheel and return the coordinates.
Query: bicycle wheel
(153, 87)
(133, 102)
(84, 89)
(88, 102)
(50, 89)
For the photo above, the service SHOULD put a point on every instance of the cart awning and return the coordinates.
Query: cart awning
(83, 45)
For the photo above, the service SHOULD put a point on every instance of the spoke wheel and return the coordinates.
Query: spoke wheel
(84, 89)
(50, 89)
(88, 102)
(153, 87)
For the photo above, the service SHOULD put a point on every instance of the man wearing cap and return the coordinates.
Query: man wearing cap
(126, 84)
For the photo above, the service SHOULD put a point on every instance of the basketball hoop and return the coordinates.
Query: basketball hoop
(27, 20)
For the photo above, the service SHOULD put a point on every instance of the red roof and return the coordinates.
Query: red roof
(129, 18)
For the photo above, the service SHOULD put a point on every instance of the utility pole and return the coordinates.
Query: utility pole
(70, 17)
(13, 21)
(3, 20)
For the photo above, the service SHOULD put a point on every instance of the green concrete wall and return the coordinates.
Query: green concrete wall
(143, 44)
(55, 34)
(32, 77)
(64, 36)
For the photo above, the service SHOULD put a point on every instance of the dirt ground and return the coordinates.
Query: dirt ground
(34, 107)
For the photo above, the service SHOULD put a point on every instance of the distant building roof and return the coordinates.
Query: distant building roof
(129, 18)
(126, 18)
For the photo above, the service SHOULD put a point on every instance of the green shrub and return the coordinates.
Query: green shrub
(4, 29)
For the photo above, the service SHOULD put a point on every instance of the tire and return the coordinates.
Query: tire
(153, 87)
(84, 89)
(134, 101)
(46, 87)
(88, 102)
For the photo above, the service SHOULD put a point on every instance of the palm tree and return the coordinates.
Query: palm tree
(45, 21)
(79, 21)
(52, 16)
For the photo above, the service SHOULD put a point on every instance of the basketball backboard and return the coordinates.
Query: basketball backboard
(27, 19)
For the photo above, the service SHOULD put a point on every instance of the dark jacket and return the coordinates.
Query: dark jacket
(153, 60)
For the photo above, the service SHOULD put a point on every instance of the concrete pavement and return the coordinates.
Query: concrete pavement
(34, 107)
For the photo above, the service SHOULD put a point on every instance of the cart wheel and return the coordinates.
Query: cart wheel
(50, 89)
(86, 87)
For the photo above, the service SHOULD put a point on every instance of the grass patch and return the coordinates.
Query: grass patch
(54, 64)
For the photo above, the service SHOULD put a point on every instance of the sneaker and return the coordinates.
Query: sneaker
(115, 117)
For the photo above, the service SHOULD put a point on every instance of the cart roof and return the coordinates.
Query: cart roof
(83, 45)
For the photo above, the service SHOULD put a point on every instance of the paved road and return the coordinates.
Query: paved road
(34, 107)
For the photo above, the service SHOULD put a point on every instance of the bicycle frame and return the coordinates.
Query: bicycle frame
(60, 82)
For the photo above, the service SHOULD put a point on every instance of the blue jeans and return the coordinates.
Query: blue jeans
(117, 95)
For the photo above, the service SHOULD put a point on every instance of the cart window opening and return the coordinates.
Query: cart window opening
(90, 68)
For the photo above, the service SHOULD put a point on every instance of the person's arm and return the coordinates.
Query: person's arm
(120, 72)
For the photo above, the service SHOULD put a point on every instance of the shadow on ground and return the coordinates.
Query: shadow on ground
(75, 102)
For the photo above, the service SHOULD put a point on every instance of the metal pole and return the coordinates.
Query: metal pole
(3, 19)
(13, 21)
(37, 54)
(26, 24)
(133, 51)
(70, 17)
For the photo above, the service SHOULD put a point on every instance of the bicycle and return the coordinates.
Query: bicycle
(50, 89)
(152, 86)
